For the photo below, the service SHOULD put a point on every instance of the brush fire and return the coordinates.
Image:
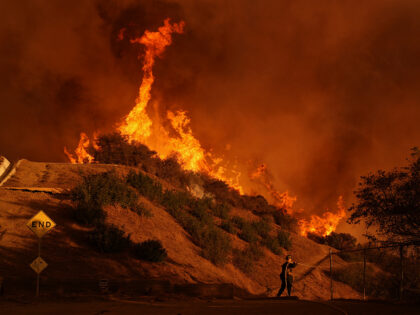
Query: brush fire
(178, 140)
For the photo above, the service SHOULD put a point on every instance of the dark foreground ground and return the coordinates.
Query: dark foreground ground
(201, 307)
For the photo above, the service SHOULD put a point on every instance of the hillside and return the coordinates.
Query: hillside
(44, 186)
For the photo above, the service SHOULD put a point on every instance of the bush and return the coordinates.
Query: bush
(284, 239)
(285, 221)
(257, 204)
(108, 239)
(96, 191)
(221, 191)
(103, 189)
(248, 232)
(89, 214)
(170, 170)
(336, 240)
(176, 199)
(262, 227)
(228, 226)
(199, 210)
(238, 221)
(145, 185)
(245, 259)
(221, 210)
(272, 243)
(215, 244)
(115, 149)
(150, 250)
(340, 240)
(316, 238)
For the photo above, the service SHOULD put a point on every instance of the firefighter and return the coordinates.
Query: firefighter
(286, 275)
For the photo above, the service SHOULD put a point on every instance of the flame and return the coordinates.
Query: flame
(120, 35)
(324, 225)
(82, 156)
(180, 141)
(281, 200)
(137, 125)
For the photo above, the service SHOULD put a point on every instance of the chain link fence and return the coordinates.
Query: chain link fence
(389, 272)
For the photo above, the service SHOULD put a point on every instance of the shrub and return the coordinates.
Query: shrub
(89, 214)
(145, 185)
(108, 239)
(176, 199)
(103, 189)
(228, 226)
(256, 204)
(150, 250)
(248, 233)
(215, 245)
(272, 243)
(286, 221)
(316, 238)
(115, 149)
(284, 239)
(337, 240)
(170, 170)
(245, 259)
(262, 227)
(199, 210)
(221, 210)
(190, 223)
(238, 221)
(340, 240)
(221, 191)
(96, 191)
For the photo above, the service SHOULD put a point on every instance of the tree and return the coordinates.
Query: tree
(390, 201)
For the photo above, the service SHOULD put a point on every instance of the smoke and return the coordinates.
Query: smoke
(320, 92)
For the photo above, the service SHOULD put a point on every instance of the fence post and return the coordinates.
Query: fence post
(331, 279)
(401, 271)
(364, 274)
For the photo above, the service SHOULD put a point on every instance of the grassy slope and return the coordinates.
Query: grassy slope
(69, 257)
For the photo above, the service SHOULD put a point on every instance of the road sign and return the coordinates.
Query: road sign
(38, 265)
(40, 224)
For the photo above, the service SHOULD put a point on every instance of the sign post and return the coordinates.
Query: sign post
(40, 224)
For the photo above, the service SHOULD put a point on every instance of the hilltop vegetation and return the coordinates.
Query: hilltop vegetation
(206, 218)
(196, 215)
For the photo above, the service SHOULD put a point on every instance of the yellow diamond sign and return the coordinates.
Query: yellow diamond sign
(38, 265)
(40, 224)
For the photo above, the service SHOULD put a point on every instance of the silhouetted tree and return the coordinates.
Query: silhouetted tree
(390, 201)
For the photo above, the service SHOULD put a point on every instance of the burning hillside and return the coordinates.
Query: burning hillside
(178, 140)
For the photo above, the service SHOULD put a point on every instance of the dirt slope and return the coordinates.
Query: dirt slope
(69, 257)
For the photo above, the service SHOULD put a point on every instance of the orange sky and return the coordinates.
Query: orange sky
(320, 93)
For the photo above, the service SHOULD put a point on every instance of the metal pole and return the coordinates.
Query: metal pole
(364, 274)
(37, 274)
(331, 279)
(402, 272)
